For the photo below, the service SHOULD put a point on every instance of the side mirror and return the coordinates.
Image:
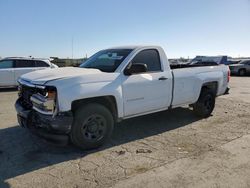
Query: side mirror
(135, 69)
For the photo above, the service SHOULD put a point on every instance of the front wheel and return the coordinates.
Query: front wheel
(93, 125)
(205, 104)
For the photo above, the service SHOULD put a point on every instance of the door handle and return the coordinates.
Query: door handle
(163, 78)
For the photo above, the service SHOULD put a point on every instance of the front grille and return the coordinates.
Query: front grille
(25, 93)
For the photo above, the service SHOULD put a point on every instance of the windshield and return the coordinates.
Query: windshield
(107, 60)
(244, 62)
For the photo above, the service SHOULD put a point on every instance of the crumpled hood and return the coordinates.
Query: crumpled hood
(43, 76)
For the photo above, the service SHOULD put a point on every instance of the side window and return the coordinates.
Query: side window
(41, 64)
(6, 64)
(24, 63)
(150, 58)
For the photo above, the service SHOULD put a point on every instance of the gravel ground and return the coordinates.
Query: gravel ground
(167, 149)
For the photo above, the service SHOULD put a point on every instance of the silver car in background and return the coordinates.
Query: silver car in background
(241, 69)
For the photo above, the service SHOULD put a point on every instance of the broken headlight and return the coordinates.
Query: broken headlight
(45, 103)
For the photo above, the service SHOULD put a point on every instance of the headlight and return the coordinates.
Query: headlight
(19, 89)
(45, 104)
(49, 104)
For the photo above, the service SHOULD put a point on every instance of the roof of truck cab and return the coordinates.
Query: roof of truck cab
(133, 47)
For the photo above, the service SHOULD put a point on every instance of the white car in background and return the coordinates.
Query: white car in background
(12, 68)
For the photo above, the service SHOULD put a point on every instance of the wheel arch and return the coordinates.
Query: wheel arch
(108, 101)
(212, 86)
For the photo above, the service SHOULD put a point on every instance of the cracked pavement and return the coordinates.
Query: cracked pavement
(167, 149)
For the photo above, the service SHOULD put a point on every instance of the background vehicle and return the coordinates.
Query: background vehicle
(114, 84)
(12, 68)
(241, 68)
(231, 62)
(204, 63)
(209, 59)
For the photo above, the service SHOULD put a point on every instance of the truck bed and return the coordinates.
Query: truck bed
(188, 80)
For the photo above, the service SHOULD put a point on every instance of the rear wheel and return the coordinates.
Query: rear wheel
(242, 72)
(93, 125)
(205, 104)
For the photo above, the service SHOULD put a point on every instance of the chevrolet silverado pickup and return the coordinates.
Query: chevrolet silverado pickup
(82, 104)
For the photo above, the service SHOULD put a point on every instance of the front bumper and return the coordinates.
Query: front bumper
(54, 129)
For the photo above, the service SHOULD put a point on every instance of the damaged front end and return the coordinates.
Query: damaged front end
(37, 110)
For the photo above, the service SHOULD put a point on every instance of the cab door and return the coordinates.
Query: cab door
(148, 91)
(7, 75)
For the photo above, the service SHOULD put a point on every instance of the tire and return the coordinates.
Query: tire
(205, 104)
(93, 125)
(242, 72)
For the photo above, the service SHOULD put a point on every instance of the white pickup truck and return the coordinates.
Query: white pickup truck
(83, 104)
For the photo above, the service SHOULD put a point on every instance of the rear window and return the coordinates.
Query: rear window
(41, 64)
(24, 63)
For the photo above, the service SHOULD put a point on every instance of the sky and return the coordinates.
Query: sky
(66, 28)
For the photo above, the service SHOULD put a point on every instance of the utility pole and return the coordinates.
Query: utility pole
(72, 49)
